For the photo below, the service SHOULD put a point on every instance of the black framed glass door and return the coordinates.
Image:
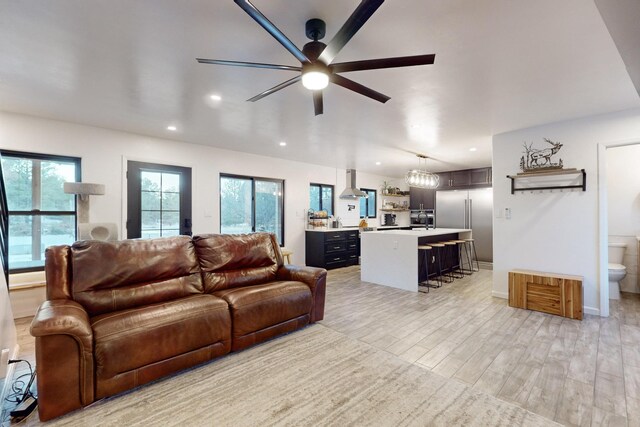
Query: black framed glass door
(158, 200)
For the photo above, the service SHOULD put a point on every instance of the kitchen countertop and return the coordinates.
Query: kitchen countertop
(355, 227)
(422, 232)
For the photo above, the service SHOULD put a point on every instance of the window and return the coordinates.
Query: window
(249, 204)
(321, 197)
(41, 214)
(368, 205)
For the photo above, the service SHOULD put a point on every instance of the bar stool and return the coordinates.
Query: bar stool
(472, 250)
(426, 249)
(462, 247)
(440, 252)
(286, 255)
(454, 268)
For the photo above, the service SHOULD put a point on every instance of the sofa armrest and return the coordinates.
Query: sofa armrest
(315, 278)
(64, 357)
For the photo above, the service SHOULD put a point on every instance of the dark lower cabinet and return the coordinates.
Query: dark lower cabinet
(332, 249)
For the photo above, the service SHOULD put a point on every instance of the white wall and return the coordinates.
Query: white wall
(8, 337)
(554, 231)
(104, 153)
(623, 204)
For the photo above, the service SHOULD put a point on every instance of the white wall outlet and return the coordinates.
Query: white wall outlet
(395, 244)
(507, 213)
(4, 362)
(498, 213)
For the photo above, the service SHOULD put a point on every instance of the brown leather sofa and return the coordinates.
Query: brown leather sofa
(121, 314)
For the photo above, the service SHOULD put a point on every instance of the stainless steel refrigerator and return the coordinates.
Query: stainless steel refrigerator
(468, 209)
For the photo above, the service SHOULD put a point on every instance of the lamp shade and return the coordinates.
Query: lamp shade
(84, 188)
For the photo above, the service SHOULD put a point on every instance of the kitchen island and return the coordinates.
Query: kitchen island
(390, 258)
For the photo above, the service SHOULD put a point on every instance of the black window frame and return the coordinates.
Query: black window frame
(368, 199)
(253, 180)
(37, 212)
(134, 196)
(320, 187)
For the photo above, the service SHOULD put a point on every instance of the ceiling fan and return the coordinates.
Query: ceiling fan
(317, 68)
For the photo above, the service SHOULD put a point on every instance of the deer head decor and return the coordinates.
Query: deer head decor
(535, 159)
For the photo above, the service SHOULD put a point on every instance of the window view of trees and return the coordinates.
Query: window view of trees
(251, 204)
(321, 198)
(41, 214)
(236, 211)
(160, 204)
(368, 205)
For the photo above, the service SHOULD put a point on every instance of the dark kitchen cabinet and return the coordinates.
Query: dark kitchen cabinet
(421, 198)
(332, 249)
(480, 176)
(467, 178)
(445, 180)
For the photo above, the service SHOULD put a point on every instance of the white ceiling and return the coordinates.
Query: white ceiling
(130, 65)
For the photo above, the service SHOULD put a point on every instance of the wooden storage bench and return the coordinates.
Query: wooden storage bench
(558, 294)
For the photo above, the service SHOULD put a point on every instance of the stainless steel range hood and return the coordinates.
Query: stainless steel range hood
(352, 192)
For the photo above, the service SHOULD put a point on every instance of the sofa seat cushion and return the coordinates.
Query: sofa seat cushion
(258, 307)
(130, 339)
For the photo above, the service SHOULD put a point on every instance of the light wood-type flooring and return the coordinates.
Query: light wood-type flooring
(575, 372)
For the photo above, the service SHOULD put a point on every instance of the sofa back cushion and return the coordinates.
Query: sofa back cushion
(235, 260)
(112, 276)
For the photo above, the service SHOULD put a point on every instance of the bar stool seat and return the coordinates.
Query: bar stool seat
(462, 246)
(286, 254)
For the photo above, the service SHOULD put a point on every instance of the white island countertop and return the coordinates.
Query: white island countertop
(390, 257)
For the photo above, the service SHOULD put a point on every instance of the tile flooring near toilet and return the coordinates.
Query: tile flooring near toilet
(574, 372)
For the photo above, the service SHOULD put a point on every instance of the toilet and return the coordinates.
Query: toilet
(617, 271)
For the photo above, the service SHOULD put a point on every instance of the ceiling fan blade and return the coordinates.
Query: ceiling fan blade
(373, 64)
(275, 88)
(357, 19)
(357, 87)
(317, 102)
(272, 29)
(248, 64)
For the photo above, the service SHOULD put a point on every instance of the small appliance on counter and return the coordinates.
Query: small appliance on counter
(389, 219)
(425, 217)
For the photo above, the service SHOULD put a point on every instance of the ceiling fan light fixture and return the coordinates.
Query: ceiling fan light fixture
(315, 80)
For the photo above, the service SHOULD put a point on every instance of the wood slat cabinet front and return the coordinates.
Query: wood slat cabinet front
(546, 292)
(333, 249)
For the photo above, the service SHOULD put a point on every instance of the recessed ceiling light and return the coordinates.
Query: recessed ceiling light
(215, 97)
(378, 163)
(172, 128)
(473, 149)
(282, 143)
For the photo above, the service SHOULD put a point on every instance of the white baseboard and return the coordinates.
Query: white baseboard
(484, 265)
(503, 295)
(591, 310)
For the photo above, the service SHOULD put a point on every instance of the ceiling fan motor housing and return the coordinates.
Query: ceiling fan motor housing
(313, 49)
(315, 29)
